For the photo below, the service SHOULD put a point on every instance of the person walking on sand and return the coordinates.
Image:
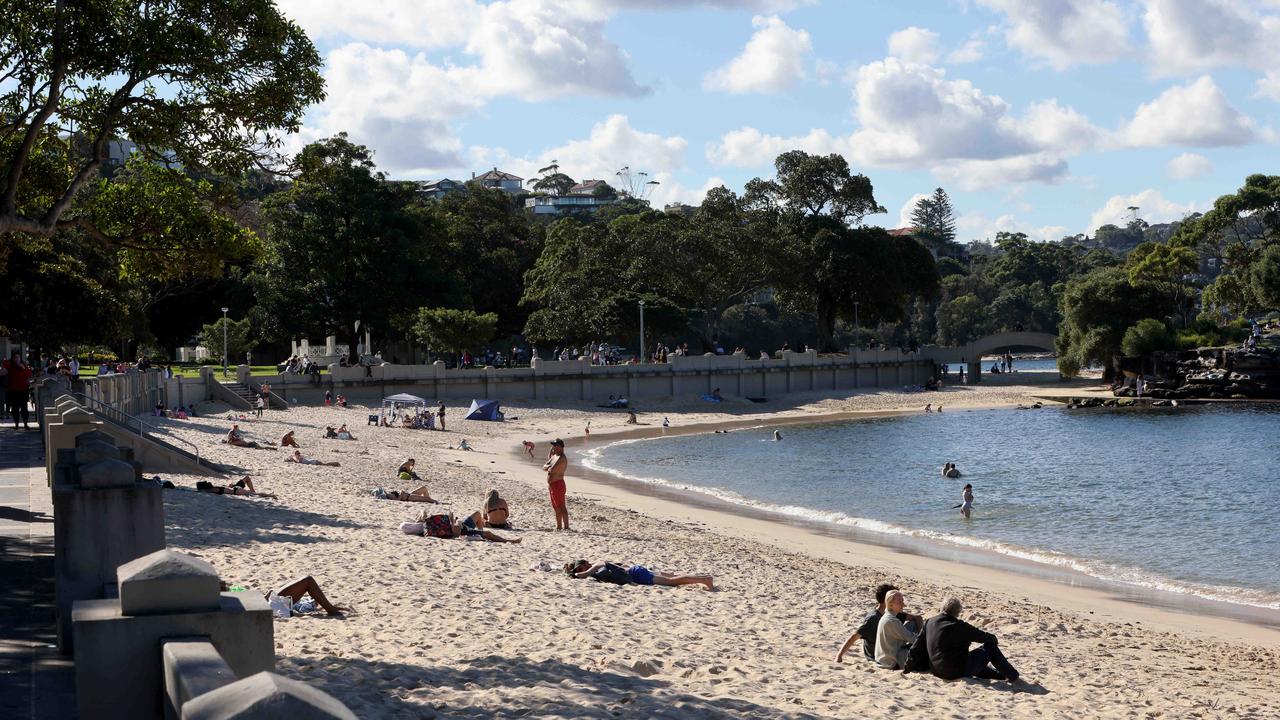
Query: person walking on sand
(967, 505)
(528, 447)
(554, 467)
(259, 404)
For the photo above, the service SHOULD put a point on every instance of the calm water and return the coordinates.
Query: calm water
(1183, 499)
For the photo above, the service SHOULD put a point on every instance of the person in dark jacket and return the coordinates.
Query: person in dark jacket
(943, 647)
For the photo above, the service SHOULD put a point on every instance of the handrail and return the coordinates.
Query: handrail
(117, 412)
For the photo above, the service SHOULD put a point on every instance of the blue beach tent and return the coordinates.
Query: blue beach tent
(484, 410)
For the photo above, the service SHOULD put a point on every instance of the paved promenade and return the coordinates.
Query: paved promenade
(35, 681)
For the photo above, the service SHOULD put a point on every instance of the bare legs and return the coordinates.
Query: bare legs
(418, 494)
(308, 586)
(677, 580)
(562, 516)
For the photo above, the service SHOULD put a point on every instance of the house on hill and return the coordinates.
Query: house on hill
(586, 196)
(437, 189)
(496, 179)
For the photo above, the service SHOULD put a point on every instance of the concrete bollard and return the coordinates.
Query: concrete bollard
(266, 696)
(102, 518)
(118, 669)
(192, 667)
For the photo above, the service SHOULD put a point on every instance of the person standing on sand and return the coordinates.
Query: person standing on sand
(440, 414)
(555, 466)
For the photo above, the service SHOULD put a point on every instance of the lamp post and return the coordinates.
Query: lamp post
(224, 342)
(857, 325)
(641, 331)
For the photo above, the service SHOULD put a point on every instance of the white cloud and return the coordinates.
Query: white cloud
(973, 175)
(912, 116)
(914, 44)
(1189, 36)
(611, 145)
(1065, 32)
(1195, 114)
(971, 51)
(411, 23)
(908, 207)
(772, 61)
(1188, 165)
(1269, 86)
(1152, 207)
(976, 226)
(749, 5)
(748, 147)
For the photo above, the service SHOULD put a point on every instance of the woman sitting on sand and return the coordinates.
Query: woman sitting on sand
(298, 457)
(243, 486)
(344, 433)
(640, 575)
(407, 467)
(496, 512)
(289, 441)
(445, 526)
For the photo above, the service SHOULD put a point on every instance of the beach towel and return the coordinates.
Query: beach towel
(440, 526)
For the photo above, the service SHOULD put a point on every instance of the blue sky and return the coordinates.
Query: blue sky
(1043, 116)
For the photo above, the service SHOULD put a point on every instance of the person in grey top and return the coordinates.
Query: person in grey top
(893, 639)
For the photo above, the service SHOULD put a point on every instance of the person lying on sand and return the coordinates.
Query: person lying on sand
(298, 457)
(243, 486)
(608, 572)
(234, 437)
(445, 526)
(288, 440)
(945, 651)
(418, 494)
(496, 512)
(302, 587)
(870, 626)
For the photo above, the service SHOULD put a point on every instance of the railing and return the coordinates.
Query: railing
(126, 420)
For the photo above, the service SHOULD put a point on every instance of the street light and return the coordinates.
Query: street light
(857, 325)
(641, 331)
(224, 341)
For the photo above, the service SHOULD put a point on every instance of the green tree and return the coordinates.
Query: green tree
(1146, 336)
(1264, 279)
(207, 84)
(452, 329)
(961, 321)
(554, 184)
(239, 338)
(1097, 309)
(345, 251)
(934, 220)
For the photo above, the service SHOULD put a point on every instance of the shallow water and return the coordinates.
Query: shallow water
(1181, 499)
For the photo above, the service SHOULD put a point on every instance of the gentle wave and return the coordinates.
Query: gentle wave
(1095, 569)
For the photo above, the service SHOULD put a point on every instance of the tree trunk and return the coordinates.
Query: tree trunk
(826, 325)
(353, 351)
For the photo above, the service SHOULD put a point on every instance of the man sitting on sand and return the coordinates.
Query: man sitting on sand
(298, 457)
(945, 649)
(234, 437)
(867, 632)
(608, 572)
(289, 441)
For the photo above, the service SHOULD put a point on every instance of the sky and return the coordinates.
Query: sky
(1049, 117)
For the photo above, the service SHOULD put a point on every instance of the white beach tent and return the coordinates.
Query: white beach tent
(400, 401)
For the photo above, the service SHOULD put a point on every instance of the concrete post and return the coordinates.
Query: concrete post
(102, 517)
(974, 373)
(165, 594)
(242, 374)
(266, 696)
(539, 392)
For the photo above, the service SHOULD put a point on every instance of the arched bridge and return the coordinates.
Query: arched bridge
(971, 354)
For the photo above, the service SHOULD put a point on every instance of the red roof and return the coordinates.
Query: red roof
(903, 232)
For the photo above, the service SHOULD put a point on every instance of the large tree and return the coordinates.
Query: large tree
(344, 249)
(207, 85)
(934, 220)
(1097, 310)
(1241, 233)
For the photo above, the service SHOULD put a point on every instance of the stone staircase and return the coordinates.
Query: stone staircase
(244, 391)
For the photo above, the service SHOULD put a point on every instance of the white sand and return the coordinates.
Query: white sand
(458, 628)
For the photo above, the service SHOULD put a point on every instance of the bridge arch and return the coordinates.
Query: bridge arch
(1007, 341)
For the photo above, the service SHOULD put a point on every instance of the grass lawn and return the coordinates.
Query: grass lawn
(190, 371)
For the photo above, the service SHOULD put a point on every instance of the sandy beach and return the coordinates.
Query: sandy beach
(464, 628)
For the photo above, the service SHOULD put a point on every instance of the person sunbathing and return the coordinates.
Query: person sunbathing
(302, 587)
(418, 494)
(496, 512)
(288, 440)
(234, 437)
(243, 486)
(446, 526)
(638, 574)
(298, 457)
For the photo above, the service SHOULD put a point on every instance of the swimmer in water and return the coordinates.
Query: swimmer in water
(967, 496)
(928, 408)
(950, 470)
(777, 436)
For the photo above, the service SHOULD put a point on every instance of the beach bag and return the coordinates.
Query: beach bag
(281, 606)
(613, 574)
(380, 494)
(411, 528)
